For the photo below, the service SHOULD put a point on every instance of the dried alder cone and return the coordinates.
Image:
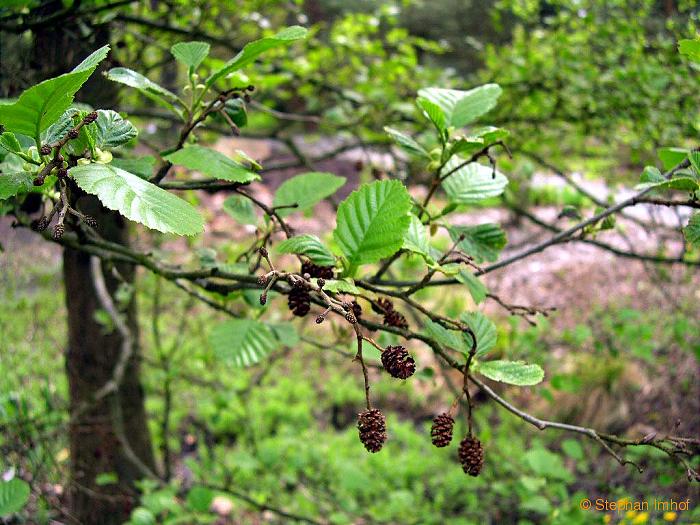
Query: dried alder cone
(441, 431)
(299, 301)
(391, 316)
(471, 455)
(398, 362)
(371, 425)
(314, 270)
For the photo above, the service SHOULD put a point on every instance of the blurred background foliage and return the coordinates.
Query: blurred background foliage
(595, 86)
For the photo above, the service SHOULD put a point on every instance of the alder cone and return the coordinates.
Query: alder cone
(58, 232)
(314, 270)
(441, 431)
(299, 301)
(397, 361)
(471, 455)
(395, 319)
(356, 309)
(383, 306)
(371, 425)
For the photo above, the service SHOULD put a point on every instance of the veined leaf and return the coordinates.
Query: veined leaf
(14, 495)
(310, 246)
(447, 338)
(60, 128)
(43, 104)
(483, 328)
(141, 166)
(341, 286)
(138, 200)
(476, 288)
(111, 130)
(463, 107)
(242, 342)
(190, 53)
(406, 143)
(306, 190)
(241, 209)
(471, 183)
(670, 157)
(416, 238)
(254, 49)
(692, 230)
(511, 372)
(372, 222)
(13, 183)
(434, 113)
(9, 142)
(212, 163)
(146, 86)
(483, 242)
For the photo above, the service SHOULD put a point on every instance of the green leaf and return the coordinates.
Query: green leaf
(694, 158)
(652, 178)
(59, 129)
(43, 104)
(466, 146)
(111, 130)
(690, 48)
(241, 209)
(13, 183)
(9, 142)
(199, 499)
(483, 242)
(511, 372)
(146, 86)
(212, 163)
(671, 157)
(692, 230)
(406, 143)
(434, 113)
(254, 49)
(14, 495)
(447, 338)
(142, 166)
(242, 342)
(310, 246)
(372, 221)
(416, 238)
(463, 107)
(476, 288)
(306, 190)
(190, 53)
(341, 286)
(484, 329)
(471, 183)
(106, 478)
(138, 200)
(491, 134)
(142, 516)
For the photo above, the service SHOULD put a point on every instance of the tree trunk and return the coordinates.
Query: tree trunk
(92, 353)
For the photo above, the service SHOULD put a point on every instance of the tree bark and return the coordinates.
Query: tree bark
(92, 352)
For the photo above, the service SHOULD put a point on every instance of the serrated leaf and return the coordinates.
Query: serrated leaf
(372, 222)
(484, 329)
(416, 237)
(670, 157)
(473, 182)
(433, 112)
(463, 107)
(483, 242)
(111, 129)
(146, 86)
(676, 183)
(476, 288)
(447, 338)
(60, 128)
(241, 209)
(14, 495)
(692, 230)
(306, 190)
(142, 166)
(406, 143)
(341, 286)
(138, 199)
(212, 163)
(13, 183)
(254, 49)
(466, 146)
(512, 372)
(309, 246)
(242, 342)
(43, 104)
(190, 53)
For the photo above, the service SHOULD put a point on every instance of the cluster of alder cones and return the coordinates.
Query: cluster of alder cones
(396, 360)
